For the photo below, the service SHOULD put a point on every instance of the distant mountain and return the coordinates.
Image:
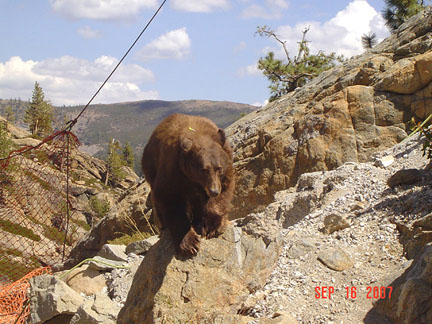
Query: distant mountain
(18, 107)
(132, 122)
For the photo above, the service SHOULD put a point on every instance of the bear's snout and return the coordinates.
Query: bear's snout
(214, 192)
(213, 189)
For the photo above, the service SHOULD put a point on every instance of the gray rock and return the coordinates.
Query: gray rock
(334, 222)
(170, 289)
(113, 225)
(49, 297)
(141, 247)
(358, 206)
(100, 311)
(86, 280)
(113, 252)
(411, 299)
(335, 259)
(300, 248)
(28, 141)
(405, 177)
(120, 280)
(346, 114)
(384, 161)
(425, 222)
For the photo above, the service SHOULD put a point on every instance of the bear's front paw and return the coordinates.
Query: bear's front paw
(213, 226)
(190, 243)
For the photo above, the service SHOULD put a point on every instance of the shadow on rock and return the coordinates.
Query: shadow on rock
(411, 298)
(208, 288)
(147, 282)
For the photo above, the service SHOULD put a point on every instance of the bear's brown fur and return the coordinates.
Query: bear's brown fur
(188, 163)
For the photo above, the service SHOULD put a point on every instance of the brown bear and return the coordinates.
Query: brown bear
(188, 164)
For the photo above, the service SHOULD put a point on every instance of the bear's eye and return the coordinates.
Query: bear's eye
(218, 169)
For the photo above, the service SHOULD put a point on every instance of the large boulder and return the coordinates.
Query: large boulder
(208, 288)
(411, 298)
(129, 211)
(346, 114)
(50, 297)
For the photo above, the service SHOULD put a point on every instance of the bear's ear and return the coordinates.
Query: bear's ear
(222, 136)
(186, 144)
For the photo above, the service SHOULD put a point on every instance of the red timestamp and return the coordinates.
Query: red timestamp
(351, 292)
(375, 292)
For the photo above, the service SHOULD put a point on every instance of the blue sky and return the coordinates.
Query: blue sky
(195, 49)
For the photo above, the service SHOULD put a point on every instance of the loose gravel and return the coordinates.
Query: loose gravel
(307, 289)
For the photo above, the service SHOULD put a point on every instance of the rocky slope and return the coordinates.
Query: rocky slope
(33, 202)
(349, 238)
(364, 227)
(346, 114)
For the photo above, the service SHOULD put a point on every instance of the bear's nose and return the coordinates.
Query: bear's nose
(214, 192)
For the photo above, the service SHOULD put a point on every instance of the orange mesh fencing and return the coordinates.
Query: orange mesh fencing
(14, 308)
(35, 208)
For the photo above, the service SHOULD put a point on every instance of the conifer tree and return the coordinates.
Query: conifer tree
(6, 144)
(397, 11)
(115, 163)
(286, 76)
(39, 114)
(9, 114)
(128, 155)
(369, 40)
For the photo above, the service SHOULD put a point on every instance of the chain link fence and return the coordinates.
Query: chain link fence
(35, 206)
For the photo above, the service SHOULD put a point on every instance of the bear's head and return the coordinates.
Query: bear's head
(205, 162)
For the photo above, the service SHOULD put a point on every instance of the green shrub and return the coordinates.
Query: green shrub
(126, 239)
(6, 144)
(13, 228)
(100, 207)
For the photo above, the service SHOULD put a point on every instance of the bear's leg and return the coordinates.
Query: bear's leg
(196, 212)
(172, 213)
(214, 219)
(213, 224)
(157, 219)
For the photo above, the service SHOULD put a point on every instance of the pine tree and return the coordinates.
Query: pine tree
(128, 155)
(369, 40)
(286, 76)
(6, 144)
(9, 114)
(39, 114)
(397, 11)
(115, 163)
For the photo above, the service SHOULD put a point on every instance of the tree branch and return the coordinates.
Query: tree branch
(301, 45)
(267, 31)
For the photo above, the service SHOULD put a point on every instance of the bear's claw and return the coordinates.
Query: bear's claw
(190, 243)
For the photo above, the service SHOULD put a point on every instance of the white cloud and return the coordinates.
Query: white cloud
(68, 80)
(341, 34)
(200, 5)
(248, 70)
(88, 33)
(261, 104)
(272, 9)
(174, 44)
(101, 9)
(81, 69)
